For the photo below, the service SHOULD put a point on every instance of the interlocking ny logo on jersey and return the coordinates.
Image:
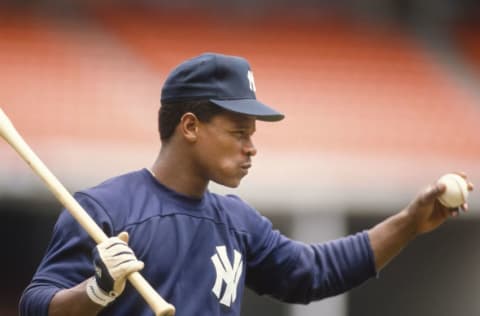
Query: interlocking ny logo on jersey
(228, 273)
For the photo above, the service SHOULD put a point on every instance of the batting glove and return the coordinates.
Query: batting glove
(114, 261)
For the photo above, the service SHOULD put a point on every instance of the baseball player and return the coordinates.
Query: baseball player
(198, 249)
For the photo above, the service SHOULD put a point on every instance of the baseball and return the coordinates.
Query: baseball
(457, 190)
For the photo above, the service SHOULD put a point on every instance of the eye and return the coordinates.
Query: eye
(240, 134)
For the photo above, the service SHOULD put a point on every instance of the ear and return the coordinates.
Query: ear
(189, 126)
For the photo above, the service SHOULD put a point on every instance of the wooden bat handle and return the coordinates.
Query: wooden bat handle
(11, 136)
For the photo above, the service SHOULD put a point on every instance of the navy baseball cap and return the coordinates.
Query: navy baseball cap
(226, 81)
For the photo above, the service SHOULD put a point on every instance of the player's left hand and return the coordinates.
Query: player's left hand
(426, 210)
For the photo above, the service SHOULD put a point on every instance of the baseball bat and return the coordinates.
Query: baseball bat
(8, 132)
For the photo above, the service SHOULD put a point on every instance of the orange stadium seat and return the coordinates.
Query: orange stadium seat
(62, 82)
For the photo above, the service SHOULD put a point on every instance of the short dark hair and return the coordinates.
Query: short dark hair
(170, 114)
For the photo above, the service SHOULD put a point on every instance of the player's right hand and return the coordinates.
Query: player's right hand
(114, 261)
(428, 213)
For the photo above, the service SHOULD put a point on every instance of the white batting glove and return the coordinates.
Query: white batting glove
(114, 261)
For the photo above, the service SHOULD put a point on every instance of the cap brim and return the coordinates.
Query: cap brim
(250, 107)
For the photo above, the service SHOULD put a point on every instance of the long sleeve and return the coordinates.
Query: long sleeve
(36, 298)
(300, 273)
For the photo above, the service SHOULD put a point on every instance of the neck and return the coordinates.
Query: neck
(177, 173)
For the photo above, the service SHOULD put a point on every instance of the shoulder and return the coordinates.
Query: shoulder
(114, 191)
(232, 205)
(114, 187)
(117, 198)
(238, 214)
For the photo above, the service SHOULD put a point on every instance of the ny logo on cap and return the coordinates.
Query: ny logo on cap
(251, 81)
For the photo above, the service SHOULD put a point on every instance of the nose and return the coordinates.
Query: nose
(250, 149)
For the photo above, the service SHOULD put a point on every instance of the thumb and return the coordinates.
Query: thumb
(123, 236)
(433, 192)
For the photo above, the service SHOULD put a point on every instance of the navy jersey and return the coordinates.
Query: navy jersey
(199, 254)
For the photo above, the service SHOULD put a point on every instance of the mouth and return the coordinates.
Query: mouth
(246, 166)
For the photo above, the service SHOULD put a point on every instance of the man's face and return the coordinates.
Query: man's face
(225, 148)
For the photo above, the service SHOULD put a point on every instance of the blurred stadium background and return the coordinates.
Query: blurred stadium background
(380, 97)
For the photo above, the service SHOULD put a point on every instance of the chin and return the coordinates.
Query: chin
(230, 184)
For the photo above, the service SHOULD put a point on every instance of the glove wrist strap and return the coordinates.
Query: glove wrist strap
(97, 295)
